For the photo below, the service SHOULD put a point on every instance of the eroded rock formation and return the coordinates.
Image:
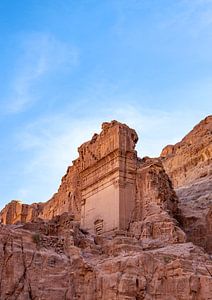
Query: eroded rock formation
(190, 159)
(188, 164)
(55, 260)
(111, 230)
(18, 212)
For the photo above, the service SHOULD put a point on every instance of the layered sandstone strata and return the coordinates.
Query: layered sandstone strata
(188, 164)
(190, 159)
(143, 255)
(18, 212)
(55, 260)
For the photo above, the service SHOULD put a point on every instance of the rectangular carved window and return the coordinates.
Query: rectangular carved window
(98, 225)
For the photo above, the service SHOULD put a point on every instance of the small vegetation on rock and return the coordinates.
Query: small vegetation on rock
(36, 238)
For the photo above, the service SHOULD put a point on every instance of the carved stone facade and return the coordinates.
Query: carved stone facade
(108, 174)
(108, 187)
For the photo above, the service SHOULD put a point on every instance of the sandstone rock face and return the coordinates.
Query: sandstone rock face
(55, 260)
(16, 211)
(188, 164)
(68, 197)
(195, 204)
(111, 230)
(156, 205)
(191, 158)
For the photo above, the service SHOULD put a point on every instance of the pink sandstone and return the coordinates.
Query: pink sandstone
(116, 228)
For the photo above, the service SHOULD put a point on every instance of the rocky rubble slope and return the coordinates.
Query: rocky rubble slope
(56, 260)
(189, 165)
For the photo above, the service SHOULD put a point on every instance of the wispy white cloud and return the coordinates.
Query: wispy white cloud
(41, 55)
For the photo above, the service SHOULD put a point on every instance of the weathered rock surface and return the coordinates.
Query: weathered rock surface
(47, 254)
(188, 164)
(55, 260)
(190, 159)
(16, 211)
(153, 220)
(195, 204)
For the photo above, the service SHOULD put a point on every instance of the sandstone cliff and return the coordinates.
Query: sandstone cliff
(55, 260)
(191, 158)
(188, 164)
(46, 253)
(18, 212)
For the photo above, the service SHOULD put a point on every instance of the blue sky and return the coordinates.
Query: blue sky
(68, 65)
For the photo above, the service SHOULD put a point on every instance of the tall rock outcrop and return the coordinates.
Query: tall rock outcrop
(108, 183)
(189, 166)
